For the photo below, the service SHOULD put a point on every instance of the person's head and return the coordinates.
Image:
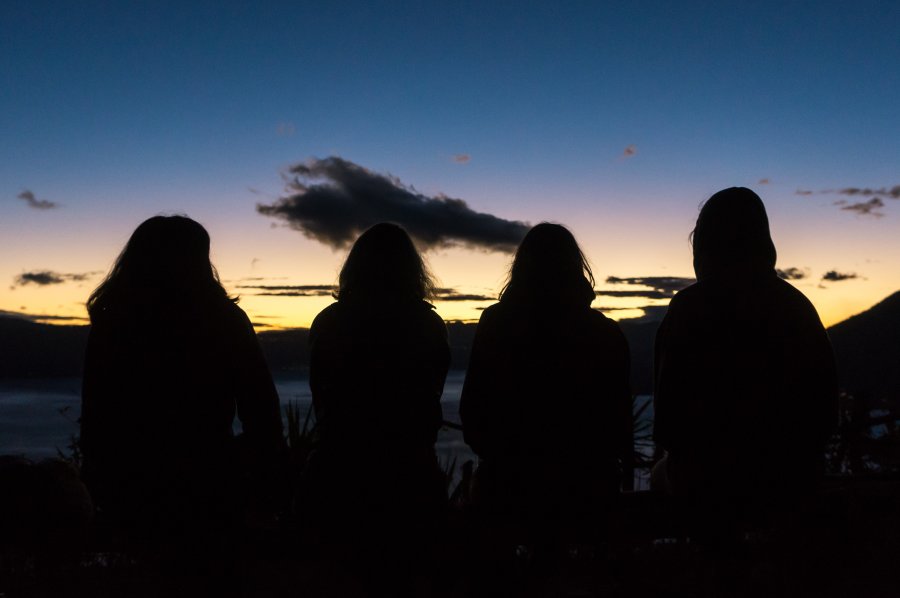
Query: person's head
(549, 266)
(732, 235)
(166, 261)
(384, 266)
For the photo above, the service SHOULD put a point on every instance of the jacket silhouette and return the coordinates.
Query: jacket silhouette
(166, 371)
(546, 402)
(746, 388)
(373, 492)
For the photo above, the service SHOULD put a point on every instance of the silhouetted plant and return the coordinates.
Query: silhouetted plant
(642, 433)
(867, 438)
(72, 454)
(301, 438)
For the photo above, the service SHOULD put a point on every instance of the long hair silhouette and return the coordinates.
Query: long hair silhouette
(384, 265)
(549, 266)
(165, 262)
(732, 235)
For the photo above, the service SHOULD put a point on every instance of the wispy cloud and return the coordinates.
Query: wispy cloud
(41, 318)
(454, 295)
(286, 129)
(791, 273)
(289, 290)
(872, 207)
(835, 276)
(893, 192)
(33, 202)
(462, 158)
(45, 278)
(333, 200)
(660, 287)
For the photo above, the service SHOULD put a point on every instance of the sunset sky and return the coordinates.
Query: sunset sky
(615, 119)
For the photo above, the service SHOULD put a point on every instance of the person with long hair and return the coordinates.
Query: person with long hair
(546, 403)
(378, 360)
(170, 360)
(746, 387)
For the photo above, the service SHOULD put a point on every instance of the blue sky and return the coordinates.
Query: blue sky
(117, 112)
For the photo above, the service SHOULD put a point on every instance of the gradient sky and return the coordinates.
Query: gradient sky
(616, 119)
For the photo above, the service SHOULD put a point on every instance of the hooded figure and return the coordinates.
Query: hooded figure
(746, 388)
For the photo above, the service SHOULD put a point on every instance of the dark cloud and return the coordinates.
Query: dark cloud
(462, 158)
(893, 192)
(791, 273)
(835, 276)
(453, 295)
(48, 277)
(872, 207)
(866, 208)
(40, 318)
(289, 290)
(654, 294)
(629, 151)
(663, 287)
(33, 202)
(334, 200)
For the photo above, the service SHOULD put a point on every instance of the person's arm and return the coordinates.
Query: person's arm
(665, 386)
(624, 405)
(474, 404)
(256, 398)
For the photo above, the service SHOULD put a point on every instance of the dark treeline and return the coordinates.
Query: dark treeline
(866, 347)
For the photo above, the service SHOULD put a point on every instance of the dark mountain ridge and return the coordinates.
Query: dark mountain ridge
(866, 346)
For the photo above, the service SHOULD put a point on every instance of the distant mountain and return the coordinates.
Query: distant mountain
(30, 350)
(867, 350)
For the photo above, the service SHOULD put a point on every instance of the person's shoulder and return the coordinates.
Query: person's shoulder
(793, 299)
(688, 294)
(326, 316)
(604, 324)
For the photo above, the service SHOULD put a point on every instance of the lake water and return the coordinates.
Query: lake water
(39, 418)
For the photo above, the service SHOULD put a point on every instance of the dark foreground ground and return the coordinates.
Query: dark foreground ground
(846, 544)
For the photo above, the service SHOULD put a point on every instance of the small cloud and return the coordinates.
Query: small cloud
(872, 207)
(629, 151)
(462, 158)
(286, 129)
(866, 208)
(791, 273)
(764, 182)
(334, 200)
(835, 276)
(654, 294)
(893, 192)
(41, 318)
(454, 295)
(43, 278)
(33, 202)
(661, 287)
(289, 290)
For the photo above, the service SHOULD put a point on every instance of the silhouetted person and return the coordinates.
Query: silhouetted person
(746, 391)
(378, 359)
(546, 402)
(170, 360)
